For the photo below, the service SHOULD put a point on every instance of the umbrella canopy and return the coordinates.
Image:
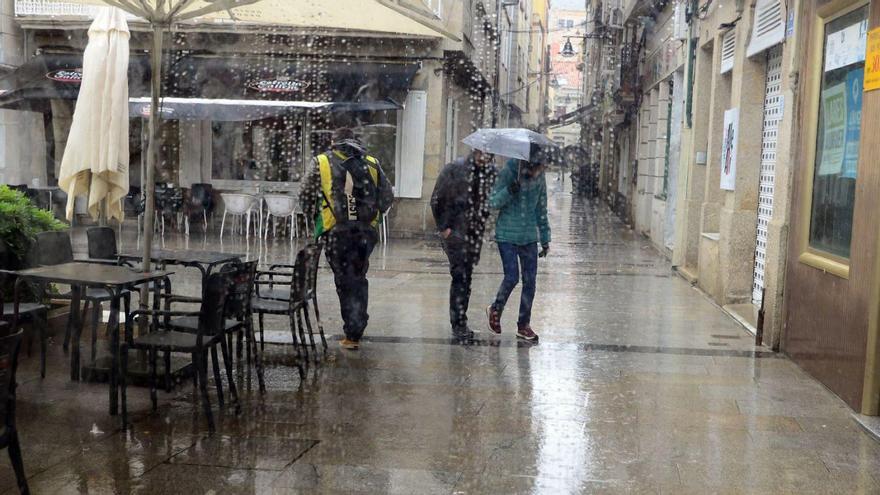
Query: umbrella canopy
(411, 17)
(96, 157)
(521, 144)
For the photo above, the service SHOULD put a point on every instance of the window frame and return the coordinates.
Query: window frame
(810, 256)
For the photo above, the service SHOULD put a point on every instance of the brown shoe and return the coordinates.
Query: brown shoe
(351, 345)
(494, 319)
(525, 332)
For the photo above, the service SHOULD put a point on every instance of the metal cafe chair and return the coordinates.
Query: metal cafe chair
(292, 302)
(238, 317)
(200, 199)
(281, 292)
(168, 202)
(9, 347)
(240, 206)
(161, 338)
(36, 314)
(54, 248)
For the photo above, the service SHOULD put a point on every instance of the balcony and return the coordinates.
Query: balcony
(57, 8)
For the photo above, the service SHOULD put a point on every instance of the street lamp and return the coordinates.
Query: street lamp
(568, 49)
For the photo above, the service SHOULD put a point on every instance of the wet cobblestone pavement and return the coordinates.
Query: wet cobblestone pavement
(639, 385)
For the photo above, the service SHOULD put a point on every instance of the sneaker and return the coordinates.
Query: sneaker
(351, 345)
(494, 319)
(525, 332)
(464, 334)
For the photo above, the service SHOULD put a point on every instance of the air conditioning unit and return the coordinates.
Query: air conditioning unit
(679, 22)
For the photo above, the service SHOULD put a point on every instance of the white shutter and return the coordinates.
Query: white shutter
(774, 107)
(410, 160)
(679, 22)
(768, 28)
(728, 51)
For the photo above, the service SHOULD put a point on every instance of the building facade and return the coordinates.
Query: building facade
(412, 92)
(737, 141)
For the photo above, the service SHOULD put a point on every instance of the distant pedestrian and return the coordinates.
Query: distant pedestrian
(520, 194)
(346, 193)
(460, 204)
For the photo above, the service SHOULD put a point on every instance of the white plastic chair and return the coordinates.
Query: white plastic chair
(239, 205)
(281, 206)
(383, 228)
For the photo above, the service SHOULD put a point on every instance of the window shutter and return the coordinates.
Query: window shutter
(728, 51)
(768, 28)
(410, 166)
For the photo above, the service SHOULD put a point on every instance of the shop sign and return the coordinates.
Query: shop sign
(872, 61)
(278, 85)
(70, 76)
(165, 111)
(728, 149)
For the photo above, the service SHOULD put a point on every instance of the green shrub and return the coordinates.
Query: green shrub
(20, 221)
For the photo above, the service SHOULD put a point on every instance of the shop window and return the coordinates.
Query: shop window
(838, 133)
(264, 150)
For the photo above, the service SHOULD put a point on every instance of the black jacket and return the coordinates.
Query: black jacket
(461, 202)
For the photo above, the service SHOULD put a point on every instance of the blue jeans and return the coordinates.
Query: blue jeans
(515, 258)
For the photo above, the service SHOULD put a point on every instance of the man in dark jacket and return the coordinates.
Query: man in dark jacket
(346, 193)
(460, 206)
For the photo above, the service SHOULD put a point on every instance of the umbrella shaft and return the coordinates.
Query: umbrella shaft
(153, 149)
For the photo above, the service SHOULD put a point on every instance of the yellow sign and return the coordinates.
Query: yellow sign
(872, 61)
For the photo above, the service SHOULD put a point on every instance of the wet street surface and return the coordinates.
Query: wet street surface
(639, 385)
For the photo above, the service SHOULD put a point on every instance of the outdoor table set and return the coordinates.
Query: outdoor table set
(118, 281)
(81, 275)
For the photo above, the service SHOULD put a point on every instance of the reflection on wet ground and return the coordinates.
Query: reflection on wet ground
(639, 385)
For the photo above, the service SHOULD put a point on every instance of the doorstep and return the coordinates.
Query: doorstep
(746, 314)
(871, 424)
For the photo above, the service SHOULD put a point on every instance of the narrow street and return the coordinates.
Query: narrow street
(639, 385)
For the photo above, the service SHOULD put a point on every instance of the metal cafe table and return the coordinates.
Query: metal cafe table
(115, 280)
(205, 261)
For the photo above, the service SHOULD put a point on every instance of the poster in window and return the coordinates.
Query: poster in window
(834, 126)
(728, 149)
(854, 81)
(846, 47)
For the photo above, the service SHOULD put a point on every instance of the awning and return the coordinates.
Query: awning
(222, 89)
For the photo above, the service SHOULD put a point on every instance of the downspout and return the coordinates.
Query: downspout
(692, 58)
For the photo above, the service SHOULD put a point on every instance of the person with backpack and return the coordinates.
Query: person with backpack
(460, 204)
(520, 195)
(346, 193)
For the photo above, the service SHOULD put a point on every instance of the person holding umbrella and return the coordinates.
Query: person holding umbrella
(520, 195)
(460, 204)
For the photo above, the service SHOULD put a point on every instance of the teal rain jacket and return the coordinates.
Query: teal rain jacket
(523, 216)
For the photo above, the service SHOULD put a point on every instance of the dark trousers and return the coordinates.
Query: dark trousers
(348, 252)
(461, 267)
(515, 259)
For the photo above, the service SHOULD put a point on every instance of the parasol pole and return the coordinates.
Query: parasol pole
(153, 149)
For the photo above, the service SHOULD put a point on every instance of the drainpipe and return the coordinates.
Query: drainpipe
(692, 58)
